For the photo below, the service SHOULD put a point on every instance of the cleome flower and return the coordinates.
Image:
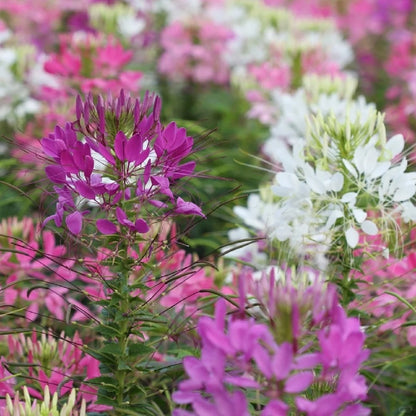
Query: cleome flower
(241, 355)
(46, 408)
(341, 180)
(124, 160)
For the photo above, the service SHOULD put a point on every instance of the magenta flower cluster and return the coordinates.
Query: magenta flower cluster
(118, 155)
(239, 356)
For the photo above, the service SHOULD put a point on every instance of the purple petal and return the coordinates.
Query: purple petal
(282, 361)
(275, 408)
(298, 382)
(242, 382)
(134, 147)
(55, 174)
(89, 166)
(188, 208)
(74, 222)
(120, 143)
(84, 190)
(78, 107)
(141, 226)
(106, 227)
(183, 397)
(182, 170)
(307, 361)
(121, 215)
(355, 410)
(67, 162)
(157, 204)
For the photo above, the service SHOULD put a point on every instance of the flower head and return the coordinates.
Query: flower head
(125, 162)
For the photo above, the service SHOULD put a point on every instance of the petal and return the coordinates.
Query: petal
(369, 227)
(74, 222)
(337, 182)
(120, 143)
(121, 215)
(352, 237)
(282, 361)
(298, 382)
(351, 169)
(349, 197)
(275, 408)
(141, 226)
(359, 214)
(56, 174)
(395, 145)
(188, 208)
(106, 227)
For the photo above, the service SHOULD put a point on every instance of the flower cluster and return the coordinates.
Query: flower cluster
(195, 51)
(16, 408)
(125, 156)
(274, 49)
(16, 102)
(242, 354)
(89, 63)
(54, 364)
(333, 179)
(32, 257)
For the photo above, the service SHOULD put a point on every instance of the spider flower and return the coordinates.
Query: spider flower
(118, 156)
(241, 362)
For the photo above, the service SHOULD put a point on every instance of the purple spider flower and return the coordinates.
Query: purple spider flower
(118, 156)
(242, 355)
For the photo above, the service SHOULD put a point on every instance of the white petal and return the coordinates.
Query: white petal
(369, 227)
(380, 169)
(349, 197)
(333, 216)
(313, 180)
(370, 160)
(359, 214)
(409, 212)
(359, 159)
(352, 237)
(395, 145)
(405, 192)
(337, 182)
(351, 169)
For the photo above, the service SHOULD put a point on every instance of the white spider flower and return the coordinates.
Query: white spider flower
(46, 408)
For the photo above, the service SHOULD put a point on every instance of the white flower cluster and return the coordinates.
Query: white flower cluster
(340, 178)
(294, 111)
(15, 100)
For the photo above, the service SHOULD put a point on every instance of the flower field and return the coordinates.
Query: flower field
(208, 207)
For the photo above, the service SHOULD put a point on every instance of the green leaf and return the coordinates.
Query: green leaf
(123, 366)
(103, 381)
(114, 349)
(139, 349)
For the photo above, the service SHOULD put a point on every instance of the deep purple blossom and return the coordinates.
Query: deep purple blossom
(118, 155)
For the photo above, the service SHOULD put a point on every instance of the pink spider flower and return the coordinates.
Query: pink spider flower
(35, 257)
(180, 283)
(381, 275)
(91, 63)
(195, 51)
(55, 362)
